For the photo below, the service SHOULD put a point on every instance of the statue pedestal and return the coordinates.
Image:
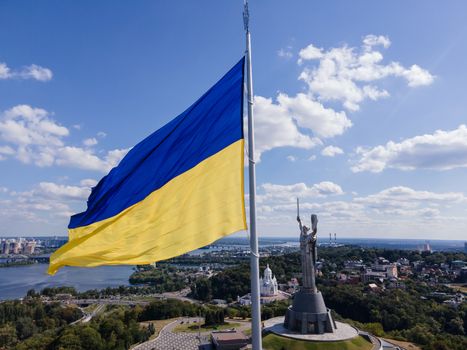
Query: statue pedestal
(308, 314)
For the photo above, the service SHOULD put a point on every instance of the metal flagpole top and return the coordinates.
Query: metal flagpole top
(246, 16)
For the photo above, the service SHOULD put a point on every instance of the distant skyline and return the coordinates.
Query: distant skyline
(360, 106)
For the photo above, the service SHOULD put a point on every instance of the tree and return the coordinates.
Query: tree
(25, 327)
(208, 318)
(32, 294)
(90, 338)
(456, 326)
(69, 341)
(7, 336)
(202, 289)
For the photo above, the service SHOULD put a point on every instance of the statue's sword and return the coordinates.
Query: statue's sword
(298, 208)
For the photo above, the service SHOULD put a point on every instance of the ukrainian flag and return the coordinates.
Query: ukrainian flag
(179, 189)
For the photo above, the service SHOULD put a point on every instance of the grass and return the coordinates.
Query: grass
(158, 325)
(275, 342)
(194, 327)
(247, 332)
(90, 308)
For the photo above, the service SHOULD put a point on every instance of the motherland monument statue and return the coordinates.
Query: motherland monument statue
(308, 313)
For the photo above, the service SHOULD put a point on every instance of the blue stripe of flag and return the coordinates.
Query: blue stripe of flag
(212, 123)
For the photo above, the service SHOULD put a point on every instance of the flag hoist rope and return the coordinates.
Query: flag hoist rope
(254, 256)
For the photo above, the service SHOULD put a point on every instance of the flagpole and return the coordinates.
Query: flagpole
(254, 255)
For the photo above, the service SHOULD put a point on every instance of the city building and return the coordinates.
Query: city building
(355, 265)
(426, 247)
(29, 247)
(15, 247)
(5, 247)
(391, 271)
(229, 340)
(373, 276)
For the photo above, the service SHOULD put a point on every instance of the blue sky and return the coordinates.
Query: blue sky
(360, 105)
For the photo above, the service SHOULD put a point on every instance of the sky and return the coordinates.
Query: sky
(360, 107)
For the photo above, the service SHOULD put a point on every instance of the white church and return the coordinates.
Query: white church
(268, 284)
(269, 290)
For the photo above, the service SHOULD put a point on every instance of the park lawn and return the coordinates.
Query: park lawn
(194, 327)
(275, 342)
(247, 332)
(158, 325)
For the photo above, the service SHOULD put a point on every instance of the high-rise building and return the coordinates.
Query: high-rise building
(4, 247)
(29, 247)
(14, 247)
(426, 247)
(391, 271)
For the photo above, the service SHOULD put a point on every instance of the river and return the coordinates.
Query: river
(15, 281)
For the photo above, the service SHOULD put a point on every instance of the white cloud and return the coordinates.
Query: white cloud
(403, 197)
(310, 53)
(346, 75)
(53, 190)
(285, 53)
(274, 127)
(343, 74)
(25, 125)
(7, 150)
(331, 151)
(310, 114)
(442, 150)
(32, 71)
(392, 211)
(4, 71)
(90, 142)
(36, 72)
(289, 193)
(88, 183)
(47, 203)
(101, 134)
(30, 135)
(77, 157)
(417, 76)
(373, 40)
(312, 157)
(291, 158)
(403, 202)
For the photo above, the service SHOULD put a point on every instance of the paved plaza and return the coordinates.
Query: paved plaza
(343, 331)
(168, 340)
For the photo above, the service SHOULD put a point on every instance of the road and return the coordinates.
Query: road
(88, 317)
(179, 295)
